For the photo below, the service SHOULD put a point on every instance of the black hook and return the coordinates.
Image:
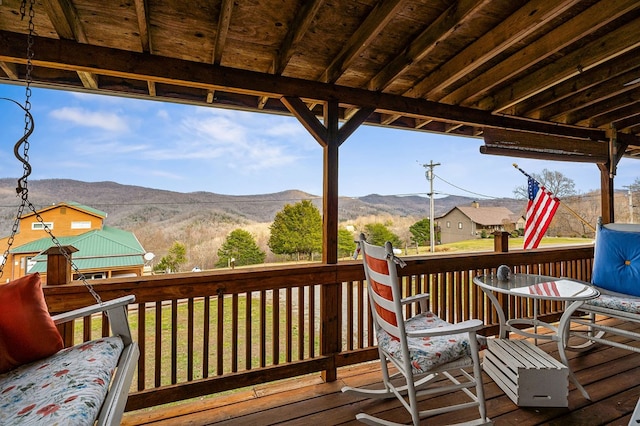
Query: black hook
(22, 182)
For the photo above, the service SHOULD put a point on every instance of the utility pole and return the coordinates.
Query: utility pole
(429, 175)
(630, 194)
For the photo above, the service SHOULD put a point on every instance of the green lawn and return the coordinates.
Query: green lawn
(486, 244)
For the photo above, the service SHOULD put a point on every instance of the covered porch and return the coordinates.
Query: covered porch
(537, 79)
(607, 374)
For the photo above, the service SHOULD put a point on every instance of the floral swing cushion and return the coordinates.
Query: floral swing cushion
(67, 388)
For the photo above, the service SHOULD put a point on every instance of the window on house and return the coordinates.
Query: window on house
(85, 224)
(448, 224)
(459, 225)
(40, 225)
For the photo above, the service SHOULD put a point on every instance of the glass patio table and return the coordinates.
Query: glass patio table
(539, 287)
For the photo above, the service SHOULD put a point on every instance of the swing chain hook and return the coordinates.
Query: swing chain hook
(28, 129)
(28, 118)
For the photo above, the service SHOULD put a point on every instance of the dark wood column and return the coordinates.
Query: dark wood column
(330, 136)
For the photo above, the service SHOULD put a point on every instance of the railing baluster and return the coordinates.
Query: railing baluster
(158, 346)
(275, 326)
(142, 338)
(190, 353)
(263, 328)
(174, 341)
(288, 326)
(248, 338)
(206, 321)
(302, 308)
(234, 333)
(220, 335)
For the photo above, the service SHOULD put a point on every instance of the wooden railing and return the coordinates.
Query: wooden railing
(203, 333)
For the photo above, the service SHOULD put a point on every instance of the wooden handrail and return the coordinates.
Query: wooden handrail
(216, 331)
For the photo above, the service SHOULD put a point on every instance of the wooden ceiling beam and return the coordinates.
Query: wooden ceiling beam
(524, 22)
(510, 139)
(223, 30)
(613, 115)
(299, 27)
(89, 80)
(67, 24)
(627, 123)
(310, 122)
(151, 87)
(561, 111)
(11, 70)
(142, 12)
(611, 45)
(427, 41)
(590, 20)
(69, 55)
(588, 79)
(540, 155)
(64, 18)
(614, 107)
(379, 17)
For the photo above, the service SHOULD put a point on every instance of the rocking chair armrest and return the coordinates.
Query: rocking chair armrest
(468, 326)
(110, 305)
(422, 299)
(415, 298)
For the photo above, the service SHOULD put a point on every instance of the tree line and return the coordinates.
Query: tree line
(295, 234)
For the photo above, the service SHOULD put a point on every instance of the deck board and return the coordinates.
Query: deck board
(610, 375)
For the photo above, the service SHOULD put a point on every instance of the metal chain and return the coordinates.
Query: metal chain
(65, 253)
(22, 182)
(28, 128)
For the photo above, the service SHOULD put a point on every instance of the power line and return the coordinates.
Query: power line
(465, 190)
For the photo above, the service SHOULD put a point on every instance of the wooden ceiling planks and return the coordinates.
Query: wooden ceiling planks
(533, 64)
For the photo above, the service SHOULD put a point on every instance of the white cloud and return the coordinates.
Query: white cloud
(104, 120)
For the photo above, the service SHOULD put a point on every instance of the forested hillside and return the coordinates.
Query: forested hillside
(202, 220)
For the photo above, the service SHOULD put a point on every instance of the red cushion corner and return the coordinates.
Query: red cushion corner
(27, 332)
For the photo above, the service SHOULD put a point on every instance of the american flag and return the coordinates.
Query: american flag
(541, 207)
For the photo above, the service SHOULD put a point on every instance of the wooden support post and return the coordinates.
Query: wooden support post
(501, 242)
(59, 273)
(330, 136)
(330, 295)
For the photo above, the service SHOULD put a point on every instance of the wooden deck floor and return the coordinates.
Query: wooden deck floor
(610, 375)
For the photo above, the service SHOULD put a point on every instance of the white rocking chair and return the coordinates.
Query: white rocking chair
(423, 348)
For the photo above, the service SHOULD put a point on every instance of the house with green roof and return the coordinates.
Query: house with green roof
(102, 251)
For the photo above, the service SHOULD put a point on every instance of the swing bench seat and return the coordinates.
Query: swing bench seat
(81, 385)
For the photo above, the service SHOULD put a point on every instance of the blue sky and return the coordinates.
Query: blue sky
(186, 148)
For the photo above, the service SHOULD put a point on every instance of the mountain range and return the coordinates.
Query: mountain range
(128, 205)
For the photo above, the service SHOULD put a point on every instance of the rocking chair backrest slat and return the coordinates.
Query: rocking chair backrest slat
(382, 285)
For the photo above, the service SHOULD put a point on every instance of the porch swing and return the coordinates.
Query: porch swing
(41, 382)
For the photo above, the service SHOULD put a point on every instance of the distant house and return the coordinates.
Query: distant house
(468, 222)
(103, 251)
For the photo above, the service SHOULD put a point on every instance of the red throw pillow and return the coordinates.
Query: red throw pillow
(27, 332)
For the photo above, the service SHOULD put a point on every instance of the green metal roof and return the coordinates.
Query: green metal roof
(97, 249)
(86, 208)
(72, 204)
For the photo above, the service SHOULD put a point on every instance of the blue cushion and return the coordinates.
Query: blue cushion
(616, 265)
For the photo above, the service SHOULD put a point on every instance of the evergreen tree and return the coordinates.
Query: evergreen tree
(176, 257)
(379, 234)
(297, 229)
(240, 246)
(421, 232)
(346, 243)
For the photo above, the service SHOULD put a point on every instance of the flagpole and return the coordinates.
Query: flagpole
(562, 204)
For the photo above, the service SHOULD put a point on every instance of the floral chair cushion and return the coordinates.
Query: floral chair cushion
(66, 388)
(617, 301)
(427, 353)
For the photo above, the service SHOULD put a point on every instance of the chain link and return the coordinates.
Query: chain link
(22, 182)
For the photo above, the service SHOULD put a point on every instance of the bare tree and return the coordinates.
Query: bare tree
(558, 184)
